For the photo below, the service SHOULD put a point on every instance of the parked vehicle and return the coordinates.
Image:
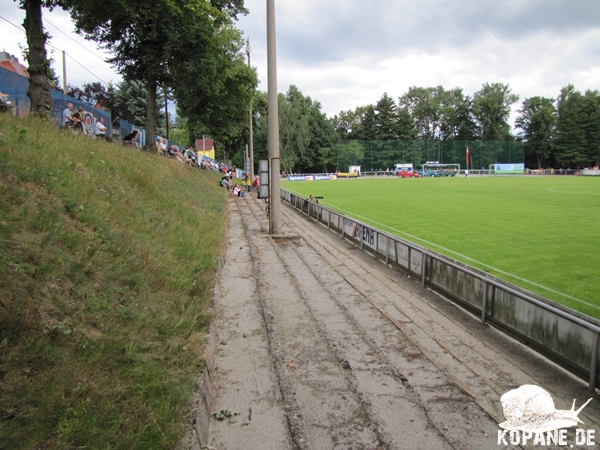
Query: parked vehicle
(411, 174)
(447, 173)
(429, 173)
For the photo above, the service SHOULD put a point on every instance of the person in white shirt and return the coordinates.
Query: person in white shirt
(100, 129)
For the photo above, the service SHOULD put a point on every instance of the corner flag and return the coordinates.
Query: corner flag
(467, 155)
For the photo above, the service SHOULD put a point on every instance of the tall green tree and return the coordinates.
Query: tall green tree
(148, 39)
(571, 145)
(214, 88)
(591, 108)
(39, 68)
(95, 94)
(491, 109)
(323, 138)
(345, 123)
(260, 126)
(406, 130)
(366, 125)
(386, 119)
(294, 129)
(537, 121)
(126, 100)
(458, 122)
(425, 107)
(307, 138)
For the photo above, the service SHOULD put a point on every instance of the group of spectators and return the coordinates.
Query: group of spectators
(74, 121)
(237, 189)
(186, 156)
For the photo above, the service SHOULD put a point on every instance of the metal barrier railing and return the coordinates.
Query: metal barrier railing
(427, 256)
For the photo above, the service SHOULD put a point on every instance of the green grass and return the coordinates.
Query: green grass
(540, 233)
(107, 258)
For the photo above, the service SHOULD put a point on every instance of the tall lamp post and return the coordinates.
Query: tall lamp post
(273, 124)
(250, 137)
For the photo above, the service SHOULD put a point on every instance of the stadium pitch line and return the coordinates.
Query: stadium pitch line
(440, 247)
(570, 192)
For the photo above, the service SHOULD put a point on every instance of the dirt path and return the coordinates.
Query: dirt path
(320, 346)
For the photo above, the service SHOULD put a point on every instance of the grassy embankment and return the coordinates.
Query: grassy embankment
(536, 232)
(107, 258)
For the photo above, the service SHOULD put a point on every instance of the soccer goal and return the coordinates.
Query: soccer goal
(440, 170)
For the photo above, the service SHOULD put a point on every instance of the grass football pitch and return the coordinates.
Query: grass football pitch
(538, 232)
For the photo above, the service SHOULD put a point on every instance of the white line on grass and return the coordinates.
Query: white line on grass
(576, 193)
(525, 280)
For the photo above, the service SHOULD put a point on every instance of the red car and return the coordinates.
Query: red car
(405, 174)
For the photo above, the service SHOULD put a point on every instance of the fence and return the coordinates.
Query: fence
(16, 86)
(565, 336)
(375, 155)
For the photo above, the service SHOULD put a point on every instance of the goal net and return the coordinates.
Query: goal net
(440, 170)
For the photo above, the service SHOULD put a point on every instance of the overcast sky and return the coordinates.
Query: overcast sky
(77, 56)
(347, 53)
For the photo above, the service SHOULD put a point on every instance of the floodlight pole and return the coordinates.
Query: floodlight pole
(64, 73)
(250, 137)
(273, 124)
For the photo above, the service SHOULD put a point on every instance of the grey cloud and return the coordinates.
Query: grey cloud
(338, 30)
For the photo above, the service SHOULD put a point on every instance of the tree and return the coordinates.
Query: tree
(94, 94)
(406, 130)
(537, 121)
(127, 100)
(345, 123)
(149, 39)
(294, 128)
(571, 145)
(591, 108)
(307, 138)
(458, 122)
(37, 58)
(425, 107)
(215, 87)
(491, 109)
(322, 140)
(349, 154)
(386, 119)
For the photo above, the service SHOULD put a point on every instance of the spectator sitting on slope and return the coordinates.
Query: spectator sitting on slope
(225, 182)
(100, 129)
(131, 139)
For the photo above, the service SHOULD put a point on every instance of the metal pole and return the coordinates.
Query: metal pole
(594, 364)
(484, 304)
(423, 269)
(273, 122)
(251, 136)
(362, 234)
(64, 73)
(387, 250)
(167, 116)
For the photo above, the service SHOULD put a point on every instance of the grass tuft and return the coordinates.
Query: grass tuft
(107, 258)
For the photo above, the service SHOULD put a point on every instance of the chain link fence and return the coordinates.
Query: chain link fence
(383, 155)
